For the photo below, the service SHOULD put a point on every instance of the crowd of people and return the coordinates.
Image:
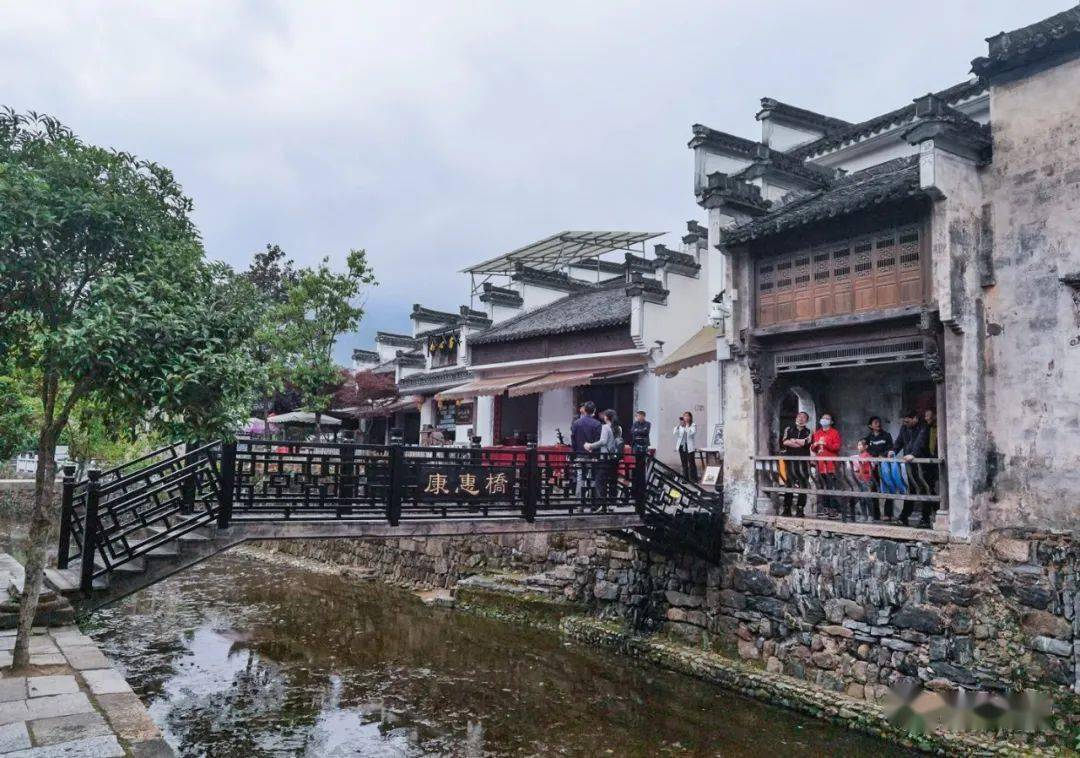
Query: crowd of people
(881, 465)
(599, 434)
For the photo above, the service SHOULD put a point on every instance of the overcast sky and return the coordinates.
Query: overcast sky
(436, 134)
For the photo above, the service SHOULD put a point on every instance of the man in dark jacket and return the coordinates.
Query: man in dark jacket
(586, 428)
(913, 441)
(879, 443)
(795, 440)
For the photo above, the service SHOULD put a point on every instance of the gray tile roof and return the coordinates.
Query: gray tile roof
(604, 306)
(434, 380)
(886, 182)
(1058, 35)
(855, 132)
(798, 115)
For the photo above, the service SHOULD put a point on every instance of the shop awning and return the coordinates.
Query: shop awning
(304, 418)
(701, 348)
(487, 386)
(552, 381)
(390, 406)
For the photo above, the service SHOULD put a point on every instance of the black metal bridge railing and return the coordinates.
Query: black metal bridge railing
(117, 516)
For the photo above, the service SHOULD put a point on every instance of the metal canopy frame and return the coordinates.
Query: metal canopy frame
(558, 252)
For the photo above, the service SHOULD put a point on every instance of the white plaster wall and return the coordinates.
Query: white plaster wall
(386, 352)
(427, 412)
(499, 313)
(556, 412)
(782, 136)
(706, 162)
(483, 419)
(535, 296)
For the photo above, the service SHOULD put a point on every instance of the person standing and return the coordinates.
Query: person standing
(685, 432)
(913, 442)
(879, 443)
(607, 448)
(584, 431)
(640, 433)
(795, 441)
(826, 443)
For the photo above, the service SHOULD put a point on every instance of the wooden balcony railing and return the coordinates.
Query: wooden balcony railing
(844, 486)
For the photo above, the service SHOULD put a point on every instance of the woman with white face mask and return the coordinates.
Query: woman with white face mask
(826, 443)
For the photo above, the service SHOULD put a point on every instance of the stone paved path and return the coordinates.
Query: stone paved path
(73, 704)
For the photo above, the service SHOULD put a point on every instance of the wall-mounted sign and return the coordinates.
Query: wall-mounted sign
(463, 414)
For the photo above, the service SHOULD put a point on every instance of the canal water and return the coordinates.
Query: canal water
(242, 658)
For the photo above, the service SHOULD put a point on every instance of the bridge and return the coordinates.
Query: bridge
(133, 525)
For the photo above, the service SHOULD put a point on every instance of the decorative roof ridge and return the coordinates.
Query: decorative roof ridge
(422, 378)
(501, 296)
(820, 176)
(551, 279)
(422, 313)
(858, 131)
(706, 135)
(360, 353)
(800, 115)
(955, 130)
(676, 257)
(392, 338)
(1054, 36)
(722, 189)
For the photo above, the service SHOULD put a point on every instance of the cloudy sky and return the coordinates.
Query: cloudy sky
(436, 134)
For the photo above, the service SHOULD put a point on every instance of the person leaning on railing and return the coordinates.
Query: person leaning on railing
(795, 440)
(913, 442)
(880, 443)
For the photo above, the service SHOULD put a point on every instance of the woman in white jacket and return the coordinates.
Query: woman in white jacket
(684, 443)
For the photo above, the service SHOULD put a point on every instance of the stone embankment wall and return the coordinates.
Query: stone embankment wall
(851, 613)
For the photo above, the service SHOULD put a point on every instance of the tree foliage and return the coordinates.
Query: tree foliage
(106, 298)
(320, 306)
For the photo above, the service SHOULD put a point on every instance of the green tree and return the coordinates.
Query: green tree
(18, 411)
(320, 306)
(105, 293)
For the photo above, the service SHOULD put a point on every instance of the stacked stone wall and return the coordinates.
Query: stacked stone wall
(848, 613)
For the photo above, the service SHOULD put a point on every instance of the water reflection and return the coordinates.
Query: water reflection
(242, 658)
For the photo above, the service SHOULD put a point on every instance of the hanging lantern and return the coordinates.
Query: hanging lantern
(442, 345)
(451, 343)
(432, 347)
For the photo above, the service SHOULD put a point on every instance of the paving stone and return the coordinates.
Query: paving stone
(105, 681)
(57, 705)
(67, 728)
(13, 688)
(7, 643)
(7, 632)
(91, 747)
(128, 717)
(87, 657)
(14, 737)
(158, 748)
(47, 659)
(40, 686)
(5, 660)
(13, 711)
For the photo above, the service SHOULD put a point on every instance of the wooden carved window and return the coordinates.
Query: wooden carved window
(880, 271)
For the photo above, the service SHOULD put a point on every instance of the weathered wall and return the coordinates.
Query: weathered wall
(1032, 357)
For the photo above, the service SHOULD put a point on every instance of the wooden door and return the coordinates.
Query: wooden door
(886, 286)
(766, 294)
(804, 302)
(785, 289)
(843, 292)
(910, 268)
(821, 285)
(863, 272)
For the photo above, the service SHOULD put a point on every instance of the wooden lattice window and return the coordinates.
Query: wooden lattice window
(875, 272)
